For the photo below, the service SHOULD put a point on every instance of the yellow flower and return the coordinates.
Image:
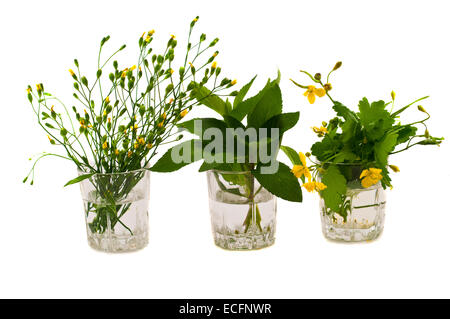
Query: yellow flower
(142, 36)
(38, 87)
(133, 68)
(311, 93)
(105, 145)
(233, 82)
(147, 39)
(164, 116)
(130, 153)
(107, 100)
(141, 140)
(214, 65)
(195, 20)
(151, 32)
(116, 151)
(161, 124)
(171, 71)
(370, 177)
(215, 54)
(28, 90)
(320, 131)
(135, 127)
(170, 101)
(395, 168)
(190, 63)
(172, 37)
(327, 87)
(314, 186)
(183, 113)
(149, 145)
(71, 72)
(301, 170)
(136, 145)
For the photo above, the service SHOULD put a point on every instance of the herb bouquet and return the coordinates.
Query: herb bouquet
(121, 122)
(243, 174)
(352, 166)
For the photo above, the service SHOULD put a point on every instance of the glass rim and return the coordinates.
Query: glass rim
(115, 173)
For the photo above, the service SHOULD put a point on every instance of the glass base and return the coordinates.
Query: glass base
(253, 239)
(118, 244)
(351, 234)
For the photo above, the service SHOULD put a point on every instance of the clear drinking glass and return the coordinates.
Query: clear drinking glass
(361, 214)
(116, 210)
(243, 213)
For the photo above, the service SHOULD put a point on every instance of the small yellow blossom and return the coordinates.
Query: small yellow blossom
(149, 145)
(395, 168)
(320, 131)
(190, 63)
(50, 139)
(214, 65)
(147, 39)
(135, 127)
(370, 177)
(28, 90)
(170, 101)
(105, 145)
(183, 113)
(133, 68)
(107, 100)
(71, 72)
(171, 71)
(136, 145)
(141, 140)
(143, 34)
(311, 93)
(164, 116)
(314, 186)
(233, 82)
(52, 109)
(393, 95)
(38, 87)
(195, 20)
(301, 170)
(161, 124)
(172, 37)
(151, 32)
(129, 153)
(215, 54)
(116, 152)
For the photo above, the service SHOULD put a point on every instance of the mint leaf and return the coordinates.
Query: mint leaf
(269, 105)
(205, 97)
(167, 164)
(282, 184)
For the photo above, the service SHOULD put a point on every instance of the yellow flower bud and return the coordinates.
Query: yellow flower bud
(183, 113)
(149, 145)
(393, 95)
(214, 65)
(71, 72)
(105, 145)
(337, 65)
(233, 82)
(421, 109)
(133, 68)
(394, 168)
(172, 37)
(327, 87)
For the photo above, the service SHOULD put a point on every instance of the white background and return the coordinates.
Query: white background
(384, 46)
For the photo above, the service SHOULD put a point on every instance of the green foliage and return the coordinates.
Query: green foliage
(264, 110)
(336, 187)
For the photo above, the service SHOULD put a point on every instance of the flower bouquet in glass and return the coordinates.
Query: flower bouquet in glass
(118, 127)
(244, 177)
(351, 168)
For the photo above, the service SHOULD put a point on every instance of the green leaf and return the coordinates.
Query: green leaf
(242, 109)
(206, 124)
(167, 164)
(243, 92)
(79, 179)
(232, 122)
(345, 112)
(205, 97)
(375, 120)
(336, 188)
(282, 184)
(405, 133)
(268, 106)
(283, 122)
(383, 148)
(292, 155)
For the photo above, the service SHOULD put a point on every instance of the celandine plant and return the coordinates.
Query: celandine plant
(351, 169)
(239, 153)
(118, 126)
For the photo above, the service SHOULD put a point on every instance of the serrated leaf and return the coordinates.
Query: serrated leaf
(375, 120)
(383, 148)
